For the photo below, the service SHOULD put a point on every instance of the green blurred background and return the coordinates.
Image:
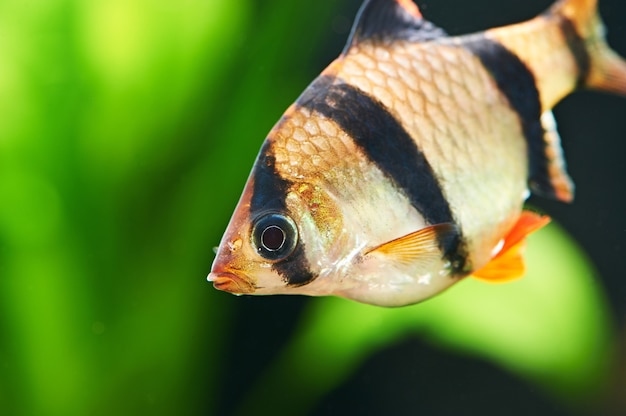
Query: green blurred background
(127, 130)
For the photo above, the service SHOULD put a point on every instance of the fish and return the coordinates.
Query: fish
(404, 167)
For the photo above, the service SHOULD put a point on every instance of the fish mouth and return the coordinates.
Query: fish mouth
(230, 282)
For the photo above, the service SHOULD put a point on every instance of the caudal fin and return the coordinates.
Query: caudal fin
(602, 68)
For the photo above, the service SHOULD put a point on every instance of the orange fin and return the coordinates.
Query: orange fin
(422, 245)
(410, 7)
(508, 263)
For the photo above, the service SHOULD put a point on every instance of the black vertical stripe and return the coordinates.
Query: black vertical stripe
(388, 145)
(268, 195)
(515, 80)
(576, 45)
(295, 269)
(270, 188)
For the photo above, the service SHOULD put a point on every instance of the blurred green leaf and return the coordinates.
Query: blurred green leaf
(99, 262)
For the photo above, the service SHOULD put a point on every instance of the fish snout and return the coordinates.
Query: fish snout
(231, 282)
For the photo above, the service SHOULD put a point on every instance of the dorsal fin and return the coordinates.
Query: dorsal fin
(391, 20)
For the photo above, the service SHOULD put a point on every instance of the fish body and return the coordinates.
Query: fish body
(404, 166)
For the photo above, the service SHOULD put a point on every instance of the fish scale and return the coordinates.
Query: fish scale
(404, 166)
(437, 128)
(333, 155)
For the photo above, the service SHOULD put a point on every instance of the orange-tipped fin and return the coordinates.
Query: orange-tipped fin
(389, 20)
(508, 263)
(410, 7)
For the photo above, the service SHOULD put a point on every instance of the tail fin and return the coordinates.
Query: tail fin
(605, 69)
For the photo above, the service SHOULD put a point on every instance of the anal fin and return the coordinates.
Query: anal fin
(557, 184)
(508, 263)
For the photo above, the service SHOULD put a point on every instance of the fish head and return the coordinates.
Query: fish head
(328, 226)
(280, 237)
(298, 237)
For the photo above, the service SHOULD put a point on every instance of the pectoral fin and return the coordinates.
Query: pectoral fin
(508, 263)
(421, 246)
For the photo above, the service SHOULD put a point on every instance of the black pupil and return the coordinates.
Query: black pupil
(273, 238)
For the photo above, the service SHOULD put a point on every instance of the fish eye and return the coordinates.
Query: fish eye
(274, 236)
